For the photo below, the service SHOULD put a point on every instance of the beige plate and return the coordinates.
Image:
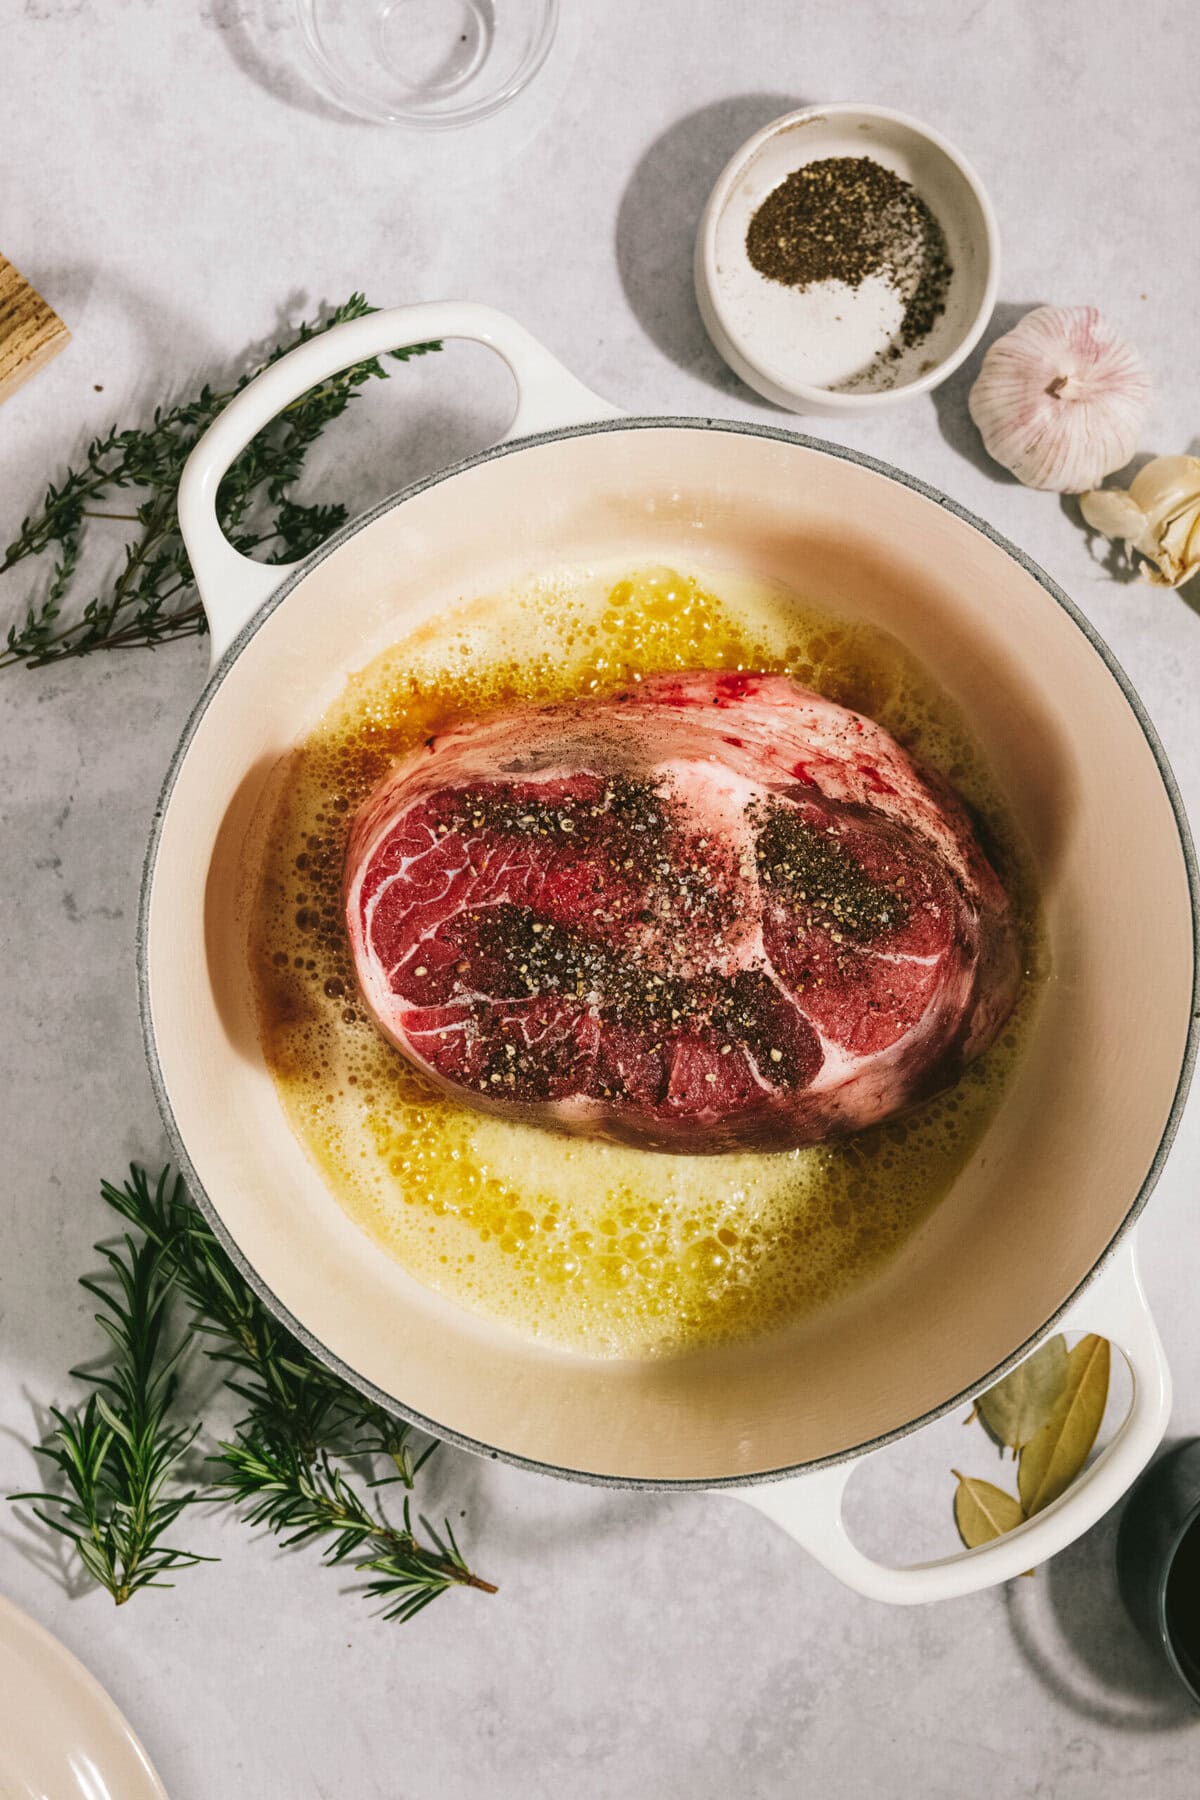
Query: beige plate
(61, 1737)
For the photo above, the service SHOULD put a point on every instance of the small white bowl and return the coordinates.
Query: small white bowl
(793, 347)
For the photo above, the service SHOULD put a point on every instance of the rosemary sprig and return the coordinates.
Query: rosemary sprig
(302, 1498)
(290, 1394)
(152, 597)
(118, 1452)
(302, 1421)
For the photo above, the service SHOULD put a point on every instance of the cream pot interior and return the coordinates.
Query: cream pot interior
(1078, 1137)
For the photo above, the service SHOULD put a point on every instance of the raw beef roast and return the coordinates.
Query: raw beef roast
(713, 912)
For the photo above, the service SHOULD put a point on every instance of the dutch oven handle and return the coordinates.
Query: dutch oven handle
(231, 586)
(809, 1507)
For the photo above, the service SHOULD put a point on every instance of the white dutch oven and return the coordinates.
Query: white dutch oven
(1037, 1232)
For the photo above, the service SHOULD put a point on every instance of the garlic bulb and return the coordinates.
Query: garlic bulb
(1060, 399)
(1158, 515)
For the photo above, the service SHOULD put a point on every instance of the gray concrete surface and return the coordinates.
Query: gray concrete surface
(172, 186)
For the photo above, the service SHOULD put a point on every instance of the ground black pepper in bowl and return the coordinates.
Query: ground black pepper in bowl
(844, 218)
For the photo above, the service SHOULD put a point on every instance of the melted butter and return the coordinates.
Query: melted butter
(603, 1249)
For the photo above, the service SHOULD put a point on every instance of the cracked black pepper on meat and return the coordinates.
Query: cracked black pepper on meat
(652, 871)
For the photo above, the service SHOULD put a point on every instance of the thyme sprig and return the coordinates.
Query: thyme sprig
(292, 1463)
(152, 596)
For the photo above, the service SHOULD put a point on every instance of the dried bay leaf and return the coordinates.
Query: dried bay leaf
(982, 1511)
(1017, 1408)
(1051, 1460)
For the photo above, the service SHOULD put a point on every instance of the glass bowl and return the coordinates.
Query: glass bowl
(434, 63)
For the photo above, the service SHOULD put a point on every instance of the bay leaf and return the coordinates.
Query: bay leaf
(983, 1511)
(1017, 1408)
(1051, 1460)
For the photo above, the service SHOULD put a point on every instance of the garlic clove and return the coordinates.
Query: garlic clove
(1176, 530)
(1175, 556)
(1113, 512)
(1166, 483)
(1158, 516)
(1060, 399)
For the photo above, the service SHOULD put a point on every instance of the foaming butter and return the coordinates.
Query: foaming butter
(596, 1247)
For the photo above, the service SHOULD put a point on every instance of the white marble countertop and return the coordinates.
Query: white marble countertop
(173, 188)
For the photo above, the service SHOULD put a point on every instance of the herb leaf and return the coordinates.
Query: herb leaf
(983, 1511)
(132, 475)
(1052, 1414)
(1051, 1460)
(1018, 1406)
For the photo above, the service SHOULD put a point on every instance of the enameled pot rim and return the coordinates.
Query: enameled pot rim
(298, 574)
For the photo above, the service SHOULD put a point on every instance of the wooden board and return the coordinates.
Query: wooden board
(30, 331)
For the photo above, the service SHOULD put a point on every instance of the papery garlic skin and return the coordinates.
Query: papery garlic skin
(1158, 515)
(1061, 399)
